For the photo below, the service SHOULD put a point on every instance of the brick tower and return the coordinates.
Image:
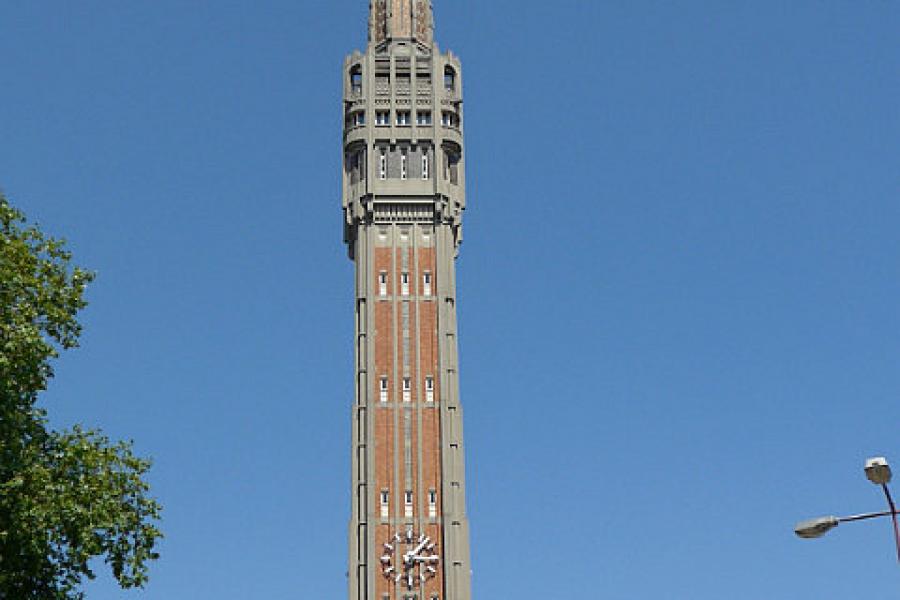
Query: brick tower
(403, 199)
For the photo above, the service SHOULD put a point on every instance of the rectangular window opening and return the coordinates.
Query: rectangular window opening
(383, 390)
(407, 389)
(382, 284)
(426, 284)
(408, 504)
(429, 389)
(404, 284)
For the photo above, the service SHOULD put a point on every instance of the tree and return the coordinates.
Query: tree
(66, 497)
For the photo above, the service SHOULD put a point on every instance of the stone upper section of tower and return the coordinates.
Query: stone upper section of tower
(401, 19)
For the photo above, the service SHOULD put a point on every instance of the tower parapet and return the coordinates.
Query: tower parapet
(403, 120)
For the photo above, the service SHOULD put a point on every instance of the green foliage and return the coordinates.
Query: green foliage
(67, 497)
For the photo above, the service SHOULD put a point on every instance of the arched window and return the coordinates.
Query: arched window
(356, 79)
(449, 79)
(452, 158)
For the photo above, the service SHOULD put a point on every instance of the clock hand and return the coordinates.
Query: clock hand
(420, 546)
(412, 553)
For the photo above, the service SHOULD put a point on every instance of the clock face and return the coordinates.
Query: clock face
(409, 559)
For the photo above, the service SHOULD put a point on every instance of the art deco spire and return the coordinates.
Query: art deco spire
(401, 19)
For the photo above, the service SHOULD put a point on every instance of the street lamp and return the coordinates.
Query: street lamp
(878, 471)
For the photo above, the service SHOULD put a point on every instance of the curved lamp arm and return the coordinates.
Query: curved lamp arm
(815, 528)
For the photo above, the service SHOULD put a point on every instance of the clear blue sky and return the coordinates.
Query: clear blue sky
(679, 286)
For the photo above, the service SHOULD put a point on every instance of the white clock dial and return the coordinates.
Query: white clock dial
(409, 559)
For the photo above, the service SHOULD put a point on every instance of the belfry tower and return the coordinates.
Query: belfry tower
(403, 199)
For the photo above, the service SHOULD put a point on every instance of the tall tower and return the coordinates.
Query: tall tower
(403, 199)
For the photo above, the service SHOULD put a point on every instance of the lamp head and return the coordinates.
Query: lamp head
(878, 471)
(815, 528)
